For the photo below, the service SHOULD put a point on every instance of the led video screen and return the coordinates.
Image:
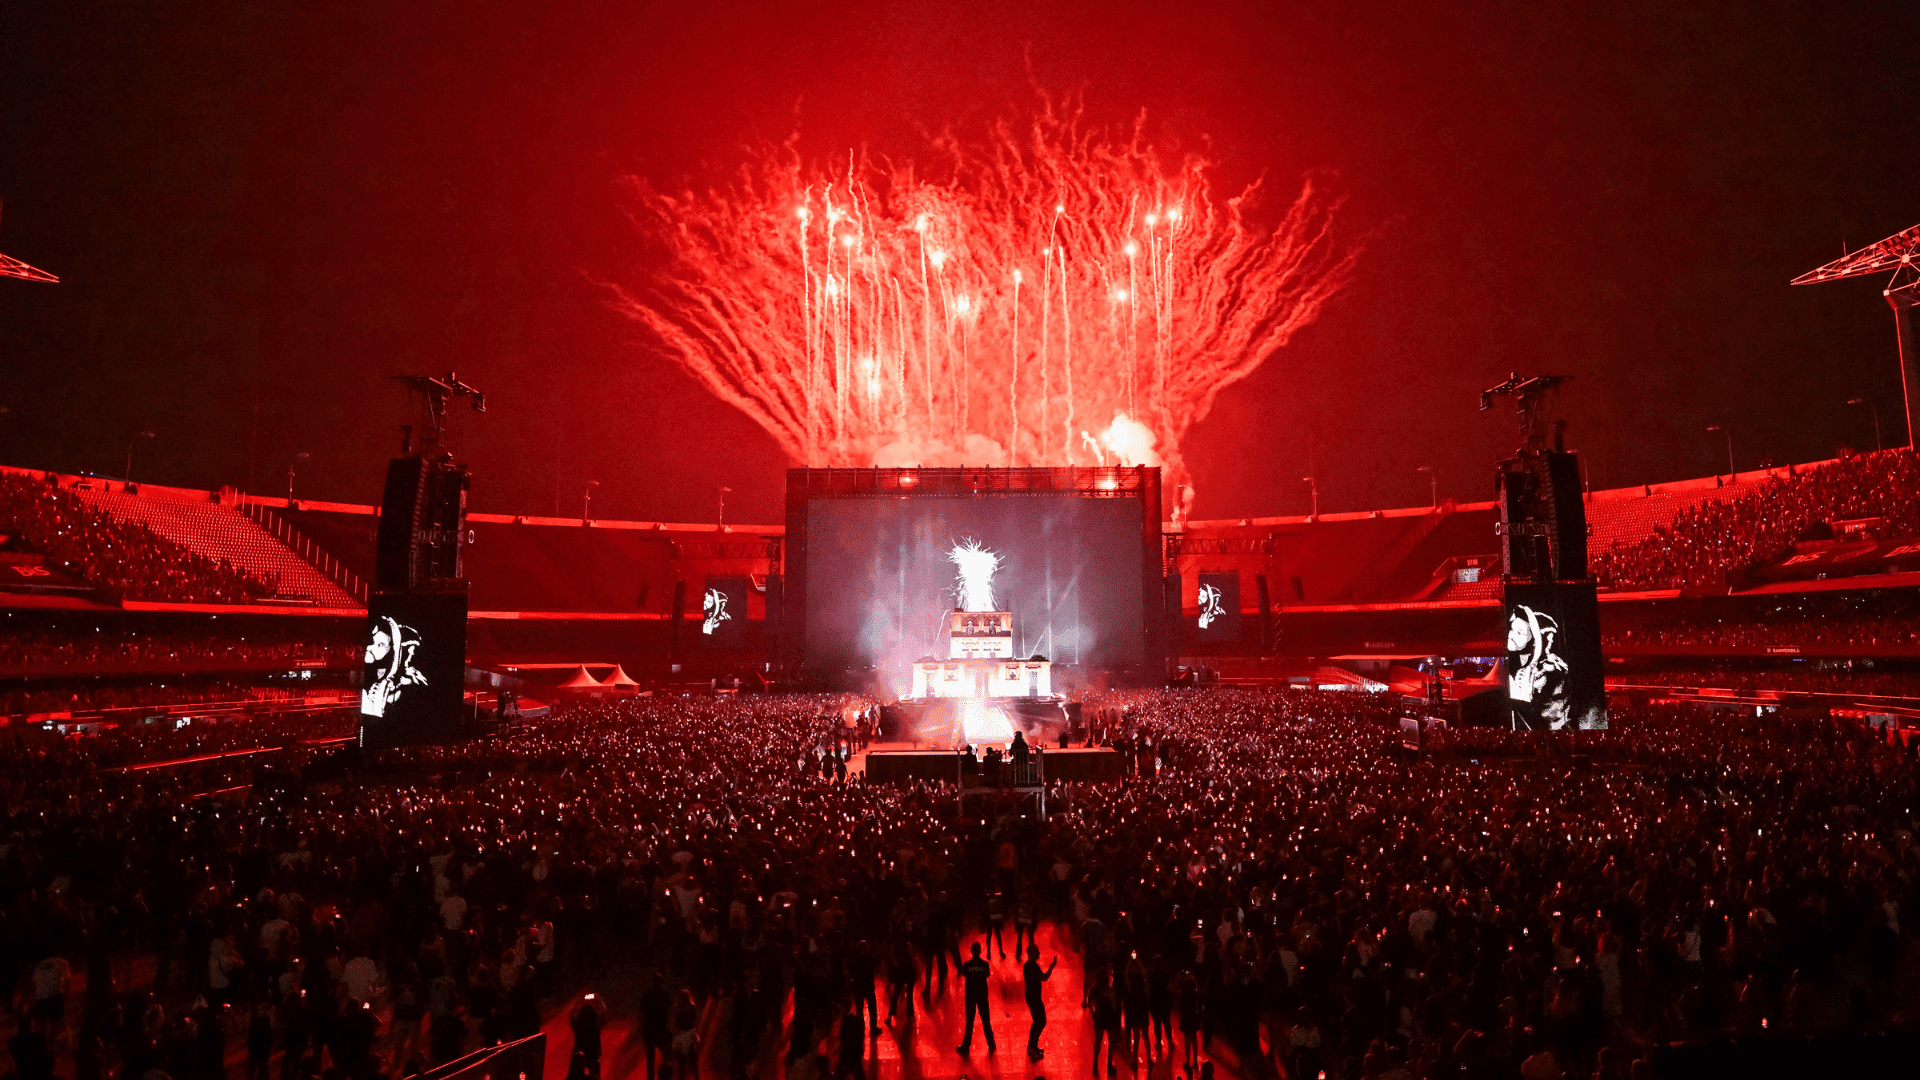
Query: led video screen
(1217, 601)
(883, 575)
(411, 687)
(723, 611)
(1555, 680)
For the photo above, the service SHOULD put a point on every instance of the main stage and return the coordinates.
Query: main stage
(1090, 765)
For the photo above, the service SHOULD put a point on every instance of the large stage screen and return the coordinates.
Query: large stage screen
(1217, 599)
(1555, 679)
(411, 687)
(882, 576)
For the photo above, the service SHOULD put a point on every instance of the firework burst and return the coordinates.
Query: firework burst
(1047, 295)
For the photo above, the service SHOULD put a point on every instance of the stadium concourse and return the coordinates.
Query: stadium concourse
(196, 880)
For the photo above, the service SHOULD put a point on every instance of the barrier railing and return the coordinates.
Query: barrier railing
(311, 553)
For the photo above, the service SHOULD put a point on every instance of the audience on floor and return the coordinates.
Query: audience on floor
(1276, 888)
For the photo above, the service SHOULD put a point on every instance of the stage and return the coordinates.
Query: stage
(941, 722)
(900, 764)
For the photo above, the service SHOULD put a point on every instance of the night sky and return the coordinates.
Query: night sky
(261, 214)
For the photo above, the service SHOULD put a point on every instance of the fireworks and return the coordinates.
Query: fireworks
(1049, 295)
(976, 566)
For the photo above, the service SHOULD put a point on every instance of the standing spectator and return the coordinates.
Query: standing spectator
(359, 976)
(1035, 980)
(408, 996)
(586, 1024)
(686, 1037)
(260, 1040)
(656, 1018)
(853, 1046)
(223, 960)
(862, 968)
(50, 977)
(975, 973)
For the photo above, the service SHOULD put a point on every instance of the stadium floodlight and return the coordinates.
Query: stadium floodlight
(14, 268)
(127, 476)
(1868, 402)
(291, 466)
(1723, 433)
(1899, 253)
(1433, 483)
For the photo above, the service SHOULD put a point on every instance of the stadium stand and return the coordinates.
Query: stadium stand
(1714, 543)
(526, 566)
(1426, 568)
(1630, 515)
(221, 532)
(547, 590)
(124, 556)
(48, 642)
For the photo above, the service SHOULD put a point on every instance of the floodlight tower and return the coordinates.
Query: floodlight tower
(1901, 254)
(14, 268)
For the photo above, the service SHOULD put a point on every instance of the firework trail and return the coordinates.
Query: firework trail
(876, 315)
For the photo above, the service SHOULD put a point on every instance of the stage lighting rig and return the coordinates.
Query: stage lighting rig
(430, 395)
(417, 611)
(1553, 667)
(1527, 394)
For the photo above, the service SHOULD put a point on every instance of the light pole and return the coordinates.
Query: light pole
(1433, 483)
(586, 503)
(1723, 433)
(128, 475)
(721, 523)
(297, 459)
(1877, 447)
(1313, 489)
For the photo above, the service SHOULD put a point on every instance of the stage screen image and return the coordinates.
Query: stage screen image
(1554, 676)
(411, 686)
(1217, 597)
(723, 611)
(884, 573)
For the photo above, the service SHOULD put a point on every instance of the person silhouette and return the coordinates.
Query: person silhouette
(975, 973)
(1036, 978)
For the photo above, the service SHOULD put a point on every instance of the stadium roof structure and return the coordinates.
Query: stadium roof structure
(1901, 250)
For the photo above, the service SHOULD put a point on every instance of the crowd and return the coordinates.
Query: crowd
(123, 557)
(1705, 543)
(1276, 889)
(172, 740)
(1855, 678)
(105, 639)
(96, 698)
(1885, 618)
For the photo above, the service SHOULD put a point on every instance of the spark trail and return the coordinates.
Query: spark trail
(875, 314)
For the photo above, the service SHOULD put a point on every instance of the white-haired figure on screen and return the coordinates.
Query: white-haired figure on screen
(715, 609)
(1212, 606)
(390, 655)
(1536, 673)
